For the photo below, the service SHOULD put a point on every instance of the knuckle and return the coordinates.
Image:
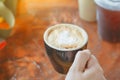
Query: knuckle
(99, 69)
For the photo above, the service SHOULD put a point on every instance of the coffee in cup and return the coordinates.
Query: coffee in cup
(62, 42)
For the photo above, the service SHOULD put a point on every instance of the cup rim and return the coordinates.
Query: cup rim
(83, 32)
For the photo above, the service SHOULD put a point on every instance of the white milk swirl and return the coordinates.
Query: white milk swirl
(65, 37)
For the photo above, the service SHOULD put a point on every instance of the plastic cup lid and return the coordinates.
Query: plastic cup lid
(109, 4)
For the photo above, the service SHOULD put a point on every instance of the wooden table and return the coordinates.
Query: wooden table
(24, 57)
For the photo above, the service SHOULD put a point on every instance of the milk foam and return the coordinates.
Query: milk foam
(65, 38)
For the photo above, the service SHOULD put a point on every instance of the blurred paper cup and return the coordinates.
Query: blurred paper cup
(87, 10)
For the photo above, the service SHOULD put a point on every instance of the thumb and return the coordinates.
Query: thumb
(81, 60)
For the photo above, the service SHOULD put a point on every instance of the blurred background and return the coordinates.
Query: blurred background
(30, 6)
(22, 55)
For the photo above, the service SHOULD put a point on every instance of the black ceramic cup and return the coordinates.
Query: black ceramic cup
(61, 58)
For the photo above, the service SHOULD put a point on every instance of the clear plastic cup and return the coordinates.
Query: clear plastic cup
(108, 16)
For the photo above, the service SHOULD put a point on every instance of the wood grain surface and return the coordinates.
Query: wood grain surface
(24, 57)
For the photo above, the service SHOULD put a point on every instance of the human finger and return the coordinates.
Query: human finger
(81, 60)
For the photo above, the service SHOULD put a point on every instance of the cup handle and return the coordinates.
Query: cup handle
(7, 14)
